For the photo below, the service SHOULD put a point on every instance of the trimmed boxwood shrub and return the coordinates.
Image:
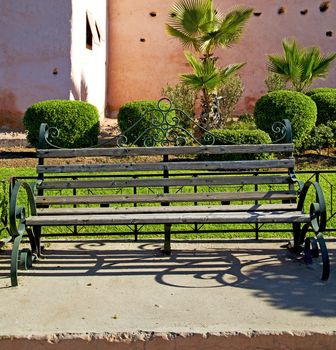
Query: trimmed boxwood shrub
(326, 106)
(77, 122)
(238, 136)
(138, 119)
(318, 90)
(295, 106)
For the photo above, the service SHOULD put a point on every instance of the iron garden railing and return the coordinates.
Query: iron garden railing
(326, 178)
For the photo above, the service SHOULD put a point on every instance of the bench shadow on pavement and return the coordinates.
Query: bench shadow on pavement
(272, 274)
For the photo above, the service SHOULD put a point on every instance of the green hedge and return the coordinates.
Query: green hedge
(326, 106)
(238, 136)
(295, 106)
(77, 122)
(139, 122)
(318, 90)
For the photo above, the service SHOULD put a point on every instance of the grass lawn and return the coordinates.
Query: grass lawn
(327, 181)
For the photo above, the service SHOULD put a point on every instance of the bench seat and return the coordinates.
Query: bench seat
(176, 217)
(168, 209)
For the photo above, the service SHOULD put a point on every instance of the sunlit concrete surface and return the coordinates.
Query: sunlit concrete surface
(206, 295)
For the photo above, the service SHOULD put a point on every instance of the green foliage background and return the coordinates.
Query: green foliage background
(326, 106)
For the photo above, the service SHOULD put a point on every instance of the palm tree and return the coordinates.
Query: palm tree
(206, 77)
(198, 25)
(300, 66)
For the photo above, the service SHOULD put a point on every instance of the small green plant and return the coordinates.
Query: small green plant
(143, 124)
(321, 137)
(298, 108)
(300, 66)
(238, 136)
(326, 106)
(275, 82)
(77, 122)
(183, 98)
(229, 93)
(318, 90)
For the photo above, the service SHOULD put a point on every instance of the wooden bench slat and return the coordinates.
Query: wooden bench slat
(159, 182)
(140, 151)
(173, 218)
(167, 209)
(164, 197)
(213, 165)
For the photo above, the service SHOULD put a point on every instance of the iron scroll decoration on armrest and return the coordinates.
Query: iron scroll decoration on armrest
(318, 211)
(18, 212)
(283, 130)
(165, 129)
(46, 135)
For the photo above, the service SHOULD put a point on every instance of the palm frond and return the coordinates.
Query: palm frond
(194, 62)
(300, 65)
(232, 26)
(321, 65)
(190, 14)
(230, 69)
(206, 76)
(289, 64)
(193, 81)
(196, 23)
(185, 39)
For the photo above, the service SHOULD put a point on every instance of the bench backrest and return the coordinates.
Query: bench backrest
(164, 174)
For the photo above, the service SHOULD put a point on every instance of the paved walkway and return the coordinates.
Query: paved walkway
(206, 287)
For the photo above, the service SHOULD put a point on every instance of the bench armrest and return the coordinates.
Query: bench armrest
(295, 180)
(318, 211)
(17, 213)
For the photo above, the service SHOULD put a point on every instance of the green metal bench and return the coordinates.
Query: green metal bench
(165, 185)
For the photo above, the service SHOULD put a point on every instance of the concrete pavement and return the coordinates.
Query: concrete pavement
(207, 294)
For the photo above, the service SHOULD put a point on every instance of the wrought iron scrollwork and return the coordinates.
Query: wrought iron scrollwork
(166, 127)
(282, 131)
(47, 135)
(313, 246)
(17, 218)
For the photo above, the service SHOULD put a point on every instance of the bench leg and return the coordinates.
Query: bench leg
(166, 247)
(299, 234)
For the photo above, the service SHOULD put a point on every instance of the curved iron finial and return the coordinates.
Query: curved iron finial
(47, 134)
(283, 131)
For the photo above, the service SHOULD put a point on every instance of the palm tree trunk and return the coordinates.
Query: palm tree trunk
(210, 116)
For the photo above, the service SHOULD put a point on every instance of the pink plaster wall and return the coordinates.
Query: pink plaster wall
(43, 55)
(34, 44)
(139, 70)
